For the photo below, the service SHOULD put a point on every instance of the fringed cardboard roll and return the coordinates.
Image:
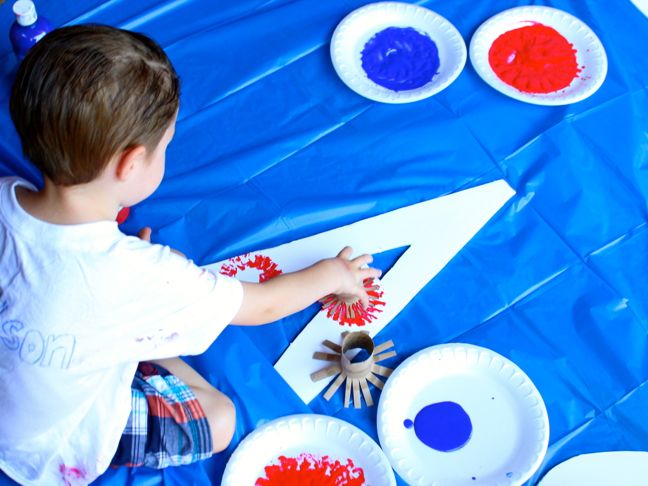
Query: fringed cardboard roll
(358, 373)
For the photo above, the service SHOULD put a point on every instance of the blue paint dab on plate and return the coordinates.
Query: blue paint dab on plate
(443, 426)
(400, 58)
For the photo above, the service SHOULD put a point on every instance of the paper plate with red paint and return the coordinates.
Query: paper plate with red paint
(458, 414)
(539, 55)
(396, 52)
(308, 449)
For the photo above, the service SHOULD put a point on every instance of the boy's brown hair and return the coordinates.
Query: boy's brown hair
(85, 93)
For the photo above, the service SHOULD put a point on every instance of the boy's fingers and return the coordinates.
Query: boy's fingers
(145, 234)
(364, 299)
(363, 260)
(345, 253)
(366, 273)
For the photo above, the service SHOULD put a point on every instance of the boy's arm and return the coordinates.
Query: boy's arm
(289, 293)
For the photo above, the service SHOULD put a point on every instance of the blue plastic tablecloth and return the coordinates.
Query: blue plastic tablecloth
(271, 146)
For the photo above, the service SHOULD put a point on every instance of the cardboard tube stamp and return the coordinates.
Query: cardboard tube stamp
(358, 373)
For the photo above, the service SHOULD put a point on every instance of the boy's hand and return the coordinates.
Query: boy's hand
(288, 293)
(145, 234)
(352, 274)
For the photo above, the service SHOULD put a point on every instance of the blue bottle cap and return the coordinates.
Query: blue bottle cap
(25, 12)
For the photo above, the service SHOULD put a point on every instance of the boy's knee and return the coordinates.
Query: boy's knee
(221, 415)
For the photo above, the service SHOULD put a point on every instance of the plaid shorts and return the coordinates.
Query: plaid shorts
(167, 426)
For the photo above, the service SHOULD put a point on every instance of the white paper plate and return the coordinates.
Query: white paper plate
(319, 435)
(362, 24)
(627, 468)
(510, 426)
(590, 54)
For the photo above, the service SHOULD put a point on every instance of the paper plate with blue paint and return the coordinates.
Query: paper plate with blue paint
(396, 52)
(458, 414)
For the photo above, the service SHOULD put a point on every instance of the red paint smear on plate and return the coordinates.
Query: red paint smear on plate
(309, 470)
(354, 314)
(534, 59)
(266, 267)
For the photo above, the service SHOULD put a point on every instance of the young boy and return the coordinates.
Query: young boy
(81, 304)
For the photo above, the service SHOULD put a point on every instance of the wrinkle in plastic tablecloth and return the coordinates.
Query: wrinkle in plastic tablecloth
(271, 147)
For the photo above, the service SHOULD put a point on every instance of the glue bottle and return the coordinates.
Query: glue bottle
(28, 28)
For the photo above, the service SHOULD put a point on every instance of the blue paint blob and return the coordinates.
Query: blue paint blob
(400, 58)
(408, 424)
(443, 426)
(509, 474)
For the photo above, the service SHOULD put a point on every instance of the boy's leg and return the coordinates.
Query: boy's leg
(219, 409)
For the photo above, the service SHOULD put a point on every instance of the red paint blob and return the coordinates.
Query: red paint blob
(354, 314)
(266, 267)
(122, 215)
(534, 59)
(309, 470)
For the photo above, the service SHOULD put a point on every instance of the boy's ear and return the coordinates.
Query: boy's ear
(128, 161)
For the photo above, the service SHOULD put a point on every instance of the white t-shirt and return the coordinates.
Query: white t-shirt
(80, 306)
